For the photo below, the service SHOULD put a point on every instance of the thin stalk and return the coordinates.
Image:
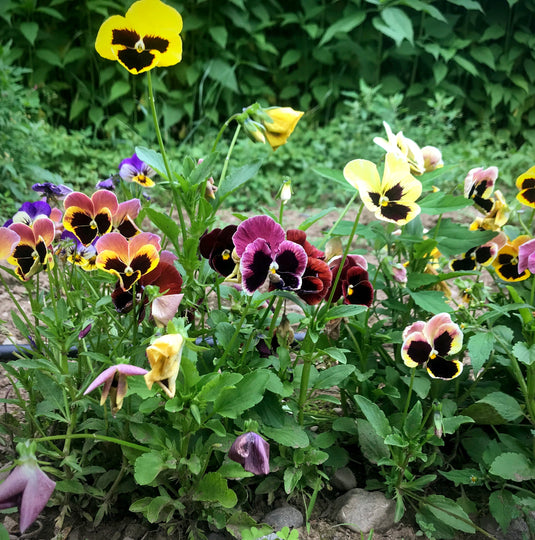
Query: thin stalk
(409, 394)
(340, 217)
(93, 436)
(227, 157)
(164, 155)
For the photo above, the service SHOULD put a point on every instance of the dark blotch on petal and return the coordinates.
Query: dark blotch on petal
(528, 195)
(419, 351)
(141, 263)
(125, 37)
(156, 43)
(257, 272)
(24, 255)
(395, 211)
(103, 223)
(115, 264)
(443, 343)
(528, 183)
(127, 228)
(443, 369)
(483, 254)
(484, 204)
(136, 60)
(375, 197)
(287, 261)
(395, 193)
(464, 264)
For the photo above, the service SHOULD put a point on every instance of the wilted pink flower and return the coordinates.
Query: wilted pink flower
(252, 452)
(432, 158)
(115, 376)
(399, 272)
(27, 487)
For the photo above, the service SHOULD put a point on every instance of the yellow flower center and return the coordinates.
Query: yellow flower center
(225, 255)
(350, 290)
(128, 271)
(383, 201)
(433, 355)
(273, 267)
(93, 224)
(139, 46)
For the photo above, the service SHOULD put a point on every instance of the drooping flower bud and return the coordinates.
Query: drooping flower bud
(252, 452)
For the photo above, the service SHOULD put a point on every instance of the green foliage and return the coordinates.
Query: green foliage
(304, 54)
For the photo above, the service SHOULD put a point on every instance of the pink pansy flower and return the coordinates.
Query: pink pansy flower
(122, 221)
(31, 254)
(428, 343)
(89, 217)
(526, 257)
(264, 252)
(115, 384)
(8, 240)
(479, 185)
(128, 259)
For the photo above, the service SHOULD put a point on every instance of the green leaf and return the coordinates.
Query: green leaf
(152, 158)
(524, 354)
(315, 218)
(336, 176)
(248, 392)
(413, 421)
(502, 507)
(495, 408)
(452, 423)
(440, 202)
(432, 301)
(344, 26)
(235, 179)
(147, 467)
(513, 466)
(371, 444)
(290, 435)
(449, 512)
(467, 477)
(165, 223)
(484, 55)
(223, 73)
(29, 30)
(374, 415)
(203, 170)
(213, 488)
(395, 24)
(219, 34)
(49, 57)
(480, 346)
(345, 310)
(333, 376)
(118, 89)
(290, 58)
(466, 65)
(468, 4)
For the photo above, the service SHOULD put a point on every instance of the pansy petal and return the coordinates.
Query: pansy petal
(398, 183)
(145, 238)
(363, 176)
(526, 180)
(8, 240)
(415, 350)
(418, 326)
(255, 265)
(526, 256)
(439, 368)
(256, 227)
(104, 198)
(114, 242)
(35, 496)
(291, 257)
(81, 200)
(398, 212)
(433, 325)
(44, 228)
(164, 308)
(448, 340)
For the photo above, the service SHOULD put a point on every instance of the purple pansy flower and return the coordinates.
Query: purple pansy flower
(109, 183)
(30, 211)
(135, 170)
(252, 452)
(115, 384)
(264, 252)
(52, 192)
(27, 487)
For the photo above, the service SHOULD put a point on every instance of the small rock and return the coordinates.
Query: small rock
(518, 529)
(362, 511)
(344, 479)
(134, 531)
(285, 516)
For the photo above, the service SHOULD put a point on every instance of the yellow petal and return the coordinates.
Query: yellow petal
(397, 173)
(363, 176)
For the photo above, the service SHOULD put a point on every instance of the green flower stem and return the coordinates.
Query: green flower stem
(409, 395)
(93, 436)
(222, 130)
(227, 157)
(164, 155)
(305, 378)
(344, 257)
(340, 217)
(236, 334)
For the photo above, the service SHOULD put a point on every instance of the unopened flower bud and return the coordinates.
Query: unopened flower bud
(432, 158)
(252, 452)
(254, 131)
(285, 192)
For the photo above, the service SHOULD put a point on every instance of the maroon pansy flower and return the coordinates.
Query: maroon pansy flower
(217, 247)
(354, 283)
(317, 278)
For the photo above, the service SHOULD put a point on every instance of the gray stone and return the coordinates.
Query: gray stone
(285, 516)
(134, 531)
(344, 479)
(362, 511)
(518, 529)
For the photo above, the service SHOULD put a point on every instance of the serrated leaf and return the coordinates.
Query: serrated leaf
(495, 408)
(524, 354)
(432, 301)
(374, 415)
(213, 488)
(166, 224)
(147, 467)
(449, 512)
(467, 477)
(513, 466)
(371, 444)
(502, 508)
(480, 346)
